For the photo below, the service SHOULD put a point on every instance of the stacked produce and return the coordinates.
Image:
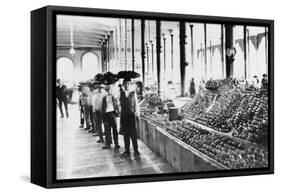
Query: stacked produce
(156, 119)
(250, 121)
(212, 84)
(221, 148)
(244, 114)
(198, 106)
(151, 104)
(223, 109)
(239, 114)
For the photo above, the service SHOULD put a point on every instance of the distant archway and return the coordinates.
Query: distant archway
(90, 66)
(65, 70)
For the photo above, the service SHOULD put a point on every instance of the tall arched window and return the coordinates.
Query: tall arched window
(90, 66)
(65, 70)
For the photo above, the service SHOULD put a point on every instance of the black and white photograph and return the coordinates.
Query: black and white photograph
(143, 96)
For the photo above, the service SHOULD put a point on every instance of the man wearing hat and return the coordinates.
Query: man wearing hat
(109, 112)
(128, 120)
(81, 105)
(97, 108)
(86, 92)
(91, 102)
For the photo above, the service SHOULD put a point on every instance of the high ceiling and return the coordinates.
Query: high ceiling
(87, 31)
(84, 32)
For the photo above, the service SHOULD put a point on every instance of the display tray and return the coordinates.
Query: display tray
(181, 156)
(229, 134)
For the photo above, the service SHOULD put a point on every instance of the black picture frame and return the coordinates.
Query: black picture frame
(43, 76)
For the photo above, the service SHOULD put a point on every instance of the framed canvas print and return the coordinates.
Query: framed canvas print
(126, 96)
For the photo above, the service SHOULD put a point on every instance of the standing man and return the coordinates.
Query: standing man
(192, 88)
(86, 93)
(81, 106)
(97, 111)
(129, 115)
(264, 81)
(109, 113)
(91, 105)
(61, 93)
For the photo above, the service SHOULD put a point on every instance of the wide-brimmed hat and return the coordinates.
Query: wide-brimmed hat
(264, 75)
(109, 78)
(98, 78)
(128, 75)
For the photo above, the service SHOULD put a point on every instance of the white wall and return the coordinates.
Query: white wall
(15, 95)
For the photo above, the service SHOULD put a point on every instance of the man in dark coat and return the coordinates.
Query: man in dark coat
(61, 94)
(129, 114)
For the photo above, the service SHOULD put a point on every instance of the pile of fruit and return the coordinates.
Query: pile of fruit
(151, 104)
(198, 106)
(212, 84)
(223, 109)
(245, 115)
(250, 121)
(225, 150)
(229, 109)
(154, 101)
(156, 119)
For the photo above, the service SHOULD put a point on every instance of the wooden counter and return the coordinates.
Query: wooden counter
(182, 157)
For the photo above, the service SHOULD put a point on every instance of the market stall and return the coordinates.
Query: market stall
(226, 128)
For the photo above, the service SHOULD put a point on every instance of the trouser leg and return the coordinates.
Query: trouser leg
(127, 143)
(65, 103)
(87, 116)
(114, 129)
(98, 123)
(94, 122)
(91, 113)
(82, 115)
(60, 107)
(108, 138)
(135, 143)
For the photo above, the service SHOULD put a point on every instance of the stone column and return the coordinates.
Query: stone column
(205, 50)
(158, 56)
(245, 50)
(133, 44)
(228, 45)
(143, 50)
(182, 58)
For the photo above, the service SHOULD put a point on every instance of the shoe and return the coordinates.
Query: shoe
(137, 155)
(91, 131)
(116, 147)
(100, 141)
(87, 128)
(81, 126)
(62, 116)
(125, 154)
(106, 147)
(67, 115)
(95, 134)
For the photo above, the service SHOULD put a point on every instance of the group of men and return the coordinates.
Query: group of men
(99, 109)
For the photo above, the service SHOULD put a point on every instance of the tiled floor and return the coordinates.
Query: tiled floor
(79, 156)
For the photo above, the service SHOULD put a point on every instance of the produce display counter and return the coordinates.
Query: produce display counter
(181, 156)
(217, 129)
